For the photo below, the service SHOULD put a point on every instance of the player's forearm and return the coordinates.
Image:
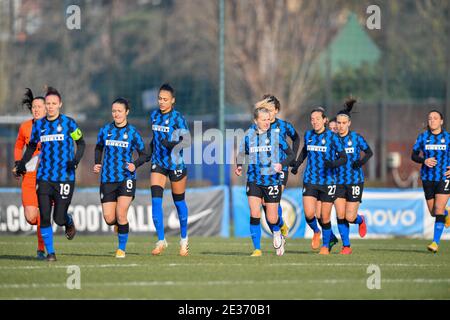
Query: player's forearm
(339, 161)
(289, 157)
(240, 158)
(150, 150)
(18, 151)
(18, 148)
(31, 148)
(415, 156)
(367, 155)
(295, 143)
(81, 146)
(184, 141)
(98, 153)
(143, 158)
(301, 156)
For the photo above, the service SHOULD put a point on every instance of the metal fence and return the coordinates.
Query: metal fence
(391, 55)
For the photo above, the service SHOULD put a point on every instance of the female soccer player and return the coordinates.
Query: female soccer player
(325, 153)
(119, 140)
(170, 136)
(56, 172)
(332, 125)
(434, 144)
(264, 149)
(36, 105)
(284, 129)
(350, 178)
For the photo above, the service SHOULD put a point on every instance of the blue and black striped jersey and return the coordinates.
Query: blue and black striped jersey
(436, 146)
(167, 126)
(284, 129)
(119, 145)
(263, 150)
(353, 143)
(320, 148)
(57, 147)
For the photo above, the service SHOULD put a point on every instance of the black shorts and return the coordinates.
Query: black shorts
(110, 191)
(350, 192)
(284, 175)
(56, 194)
(270, 194)
(174, 175)
(322, 192)
(432, 188)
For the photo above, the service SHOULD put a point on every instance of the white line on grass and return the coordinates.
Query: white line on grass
(81, 266)
(215, 283)
(293, 264)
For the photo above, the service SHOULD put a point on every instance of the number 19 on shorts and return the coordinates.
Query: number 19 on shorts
(64, 189)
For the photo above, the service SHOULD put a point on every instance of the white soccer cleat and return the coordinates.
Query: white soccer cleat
(161, 245)
(280, 250)
(277, 239)
(184, 248)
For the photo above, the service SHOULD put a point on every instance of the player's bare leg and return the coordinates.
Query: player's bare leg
(310, 207)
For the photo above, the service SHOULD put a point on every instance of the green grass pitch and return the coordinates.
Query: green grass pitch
(219, 268)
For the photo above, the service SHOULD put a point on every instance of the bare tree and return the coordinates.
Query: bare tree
(271, 45)
(66, 59)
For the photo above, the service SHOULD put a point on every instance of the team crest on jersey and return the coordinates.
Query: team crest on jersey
(277, 130)
(59, 128)
(167, 121)
(154, 167)
(323, 141)
(349, 143)
(125, 136)
(442, 140)
(267, 141)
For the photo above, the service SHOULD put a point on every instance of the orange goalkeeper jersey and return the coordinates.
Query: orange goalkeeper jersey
(23, 138)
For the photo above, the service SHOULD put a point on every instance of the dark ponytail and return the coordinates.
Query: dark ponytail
(28, 98)
(348, 106)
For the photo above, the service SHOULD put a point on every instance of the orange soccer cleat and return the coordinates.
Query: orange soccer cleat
(346, 250)
(315, 243)
(362, 227)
